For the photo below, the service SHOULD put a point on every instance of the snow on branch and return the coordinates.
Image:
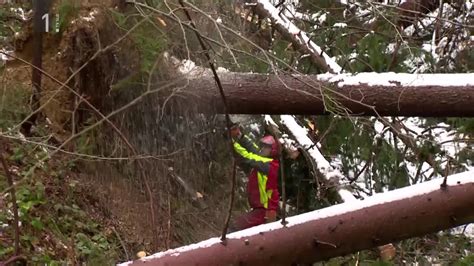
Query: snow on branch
(411, 134)
(392, 79)
(323, 165)
(297, 36)
(303, 140)
(368, 79)
(365, 94)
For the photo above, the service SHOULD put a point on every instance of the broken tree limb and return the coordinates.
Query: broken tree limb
(194, 194)
(365, 94)
(322, 165)
(337, 230)
(297, 37)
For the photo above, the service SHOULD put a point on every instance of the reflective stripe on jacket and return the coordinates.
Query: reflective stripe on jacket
(262, 187)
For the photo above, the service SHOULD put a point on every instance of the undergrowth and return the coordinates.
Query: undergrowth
(56, 224)
(66, 11)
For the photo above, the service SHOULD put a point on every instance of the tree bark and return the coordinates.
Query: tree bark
(337, 230)
(285, 94)
(40, 8)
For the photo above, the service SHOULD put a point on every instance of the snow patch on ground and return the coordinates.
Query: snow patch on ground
(268, 120)
(322, 18)
(90, 17)
(3, 57)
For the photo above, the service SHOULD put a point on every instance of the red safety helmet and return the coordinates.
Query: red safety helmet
(270, 140)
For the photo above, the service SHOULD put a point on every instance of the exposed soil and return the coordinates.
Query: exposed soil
(66, 52)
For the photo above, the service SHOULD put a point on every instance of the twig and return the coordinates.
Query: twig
(394, 60)
(352, 180)
(13, 259)
(195, 196)
(226, 110)
(88, 157)
(15, 206)
(231, 203)
(301, 41)
(168, 235)
(444, 185)
(65, 83)
(326, 132)
(421, 14)
(121, 243)
(438, 24)
(396, 127)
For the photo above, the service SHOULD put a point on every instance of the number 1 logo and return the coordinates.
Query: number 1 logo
(45, 17)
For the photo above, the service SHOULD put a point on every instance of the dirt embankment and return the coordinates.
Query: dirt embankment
(85, 58)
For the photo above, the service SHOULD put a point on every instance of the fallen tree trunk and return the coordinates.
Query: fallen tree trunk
(324, 169)
(366, 94)
(337, 230)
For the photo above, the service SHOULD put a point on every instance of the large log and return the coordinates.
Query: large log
(385, 94)
(337, 230)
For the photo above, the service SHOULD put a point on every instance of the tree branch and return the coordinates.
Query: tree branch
(298, 37)
(16, 220)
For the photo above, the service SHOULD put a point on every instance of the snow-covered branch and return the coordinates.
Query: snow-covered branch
(411, 136)
(324, 167)
(298, 37)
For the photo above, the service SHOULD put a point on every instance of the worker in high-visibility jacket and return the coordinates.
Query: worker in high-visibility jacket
(262, 186)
